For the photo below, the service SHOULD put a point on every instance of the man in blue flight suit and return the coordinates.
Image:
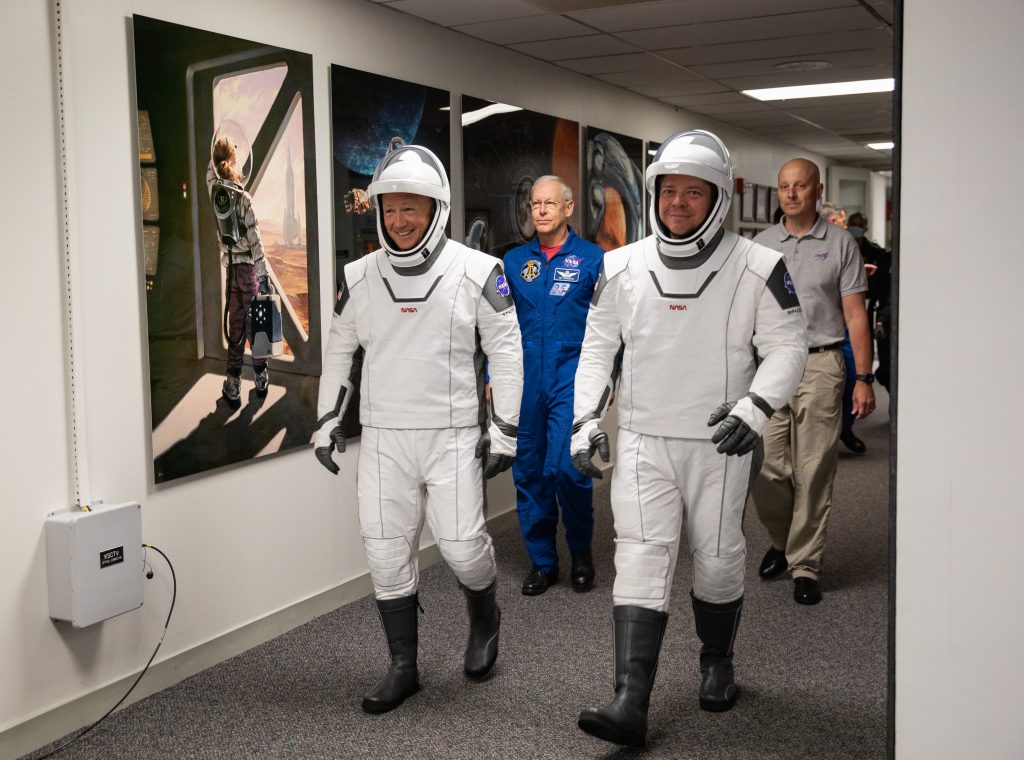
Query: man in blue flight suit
(552, 278)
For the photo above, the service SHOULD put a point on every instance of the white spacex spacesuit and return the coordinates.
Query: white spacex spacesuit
(426, 317)
(704, 321)
(417, 314)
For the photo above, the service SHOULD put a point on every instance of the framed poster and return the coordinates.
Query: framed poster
(369, 113)
(761, 204)
(504, 150)
(615, 188)
(747, 202)
(226, 114)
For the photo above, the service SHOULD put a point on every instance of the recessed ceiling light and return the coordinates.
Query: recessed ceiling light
(803, 66)
(882, 145)
(823, 90)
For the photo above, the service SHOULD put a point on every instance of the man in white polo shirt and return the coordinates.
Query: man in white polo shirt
(793, 492)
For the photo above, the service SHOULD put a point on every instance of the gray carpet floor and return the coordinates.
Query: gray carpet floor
(813, 679)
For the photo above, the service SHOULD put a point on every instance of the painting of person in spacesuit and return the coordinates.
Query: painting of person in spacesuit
(242, 254)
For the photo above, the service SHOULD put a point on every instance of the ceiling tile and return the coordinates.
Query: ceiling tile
(525, 29)
(791, 47)
(665, 13)
(782, 79)
(739, 30)
(840, 62)
(574, 47)
(652, 76)
(668, 89)
(606, 64)
(447, 12)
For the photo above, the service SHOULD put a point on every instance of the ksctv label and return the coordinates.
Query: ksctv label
(408, 309)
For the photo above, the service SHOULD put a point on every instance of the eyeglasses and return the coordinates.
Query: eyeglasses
(546, 205)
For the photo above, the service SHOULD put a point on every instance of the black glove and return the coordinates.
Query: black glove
(733, 436)
(264, 285)
(581, 460)
(323, 453)
(493, 463)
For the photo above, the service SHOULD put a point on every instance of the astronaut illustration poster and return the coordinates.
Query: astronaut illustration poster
(615, 188)
(369, 114)
(226, 156)
(504, 150)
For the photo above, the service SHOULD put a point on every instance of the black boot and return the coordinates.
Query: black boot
(638, 635)
(484, 622)
(716, 628)
(401, 681)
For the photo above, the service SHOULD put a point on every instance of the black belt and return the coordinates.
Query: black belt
(829, 347)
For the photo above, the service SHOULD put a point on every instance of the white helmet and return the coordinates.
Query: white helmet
(698, 154)
(411, 169)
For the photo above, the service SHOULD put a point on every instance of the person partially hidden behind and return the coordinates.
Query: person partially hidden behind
(552, 278)
(793, 491)
(241, 253)
(712, 326)
(422, 308)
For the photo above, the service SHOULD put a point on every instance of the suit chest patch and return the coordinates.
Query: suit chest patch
(530, 270)
(567, 275)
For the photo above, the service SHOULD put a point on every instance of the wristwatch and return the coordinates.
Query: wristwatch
(868, 378)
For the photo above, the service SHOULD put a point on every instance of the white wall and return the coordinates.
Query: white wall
(960, 599)
(238, 559)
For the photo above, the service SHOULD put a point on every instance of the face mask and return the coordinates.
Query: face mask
(857, 232)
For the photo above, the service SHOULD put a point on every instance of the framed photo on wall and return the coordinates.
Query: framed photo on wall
(747, 203)
(761, 204)
(773, 203)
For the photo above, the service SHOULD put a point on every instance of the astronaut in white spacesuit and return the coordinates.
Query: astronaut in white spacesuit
(709, 324)
(426, 310)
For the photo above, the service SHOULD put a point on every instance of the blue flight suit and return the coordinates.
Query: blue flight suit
(552, 300)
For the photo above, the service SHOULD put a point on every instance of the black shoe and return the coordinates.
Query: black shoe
(806, 591)
(582, 572)
(638, 635)
(852, 442)
(773, 564)
(716, 628)
(401, 680)
(537, 583)
(484, 624)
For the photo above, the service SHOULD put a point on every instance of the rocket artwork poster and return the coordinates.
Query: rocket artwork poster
(229, 237)
(505, 149)
(615, 188)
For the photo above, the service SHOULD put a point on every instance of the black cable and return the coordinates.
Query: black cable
(174, 596)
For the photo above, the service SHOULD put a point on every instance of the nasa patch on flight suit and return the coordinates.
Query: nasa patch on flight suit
(780, 283)
(572, 261)
(530, 270)
(559, 289)
(567, 275)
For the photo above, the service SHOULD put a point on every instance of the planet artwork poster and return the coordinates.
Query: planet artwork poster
(229, 236)
(370, 113)
(615, 188)
(505, 149)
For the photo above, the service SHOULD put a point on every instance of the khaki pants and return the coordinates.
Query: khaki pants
(793, 491)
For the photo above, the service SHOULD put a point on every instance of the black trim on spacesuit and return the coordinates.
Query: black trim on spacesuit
(761, 404)
(424, 265)
(343, 296)
(663, 294)
(601, 282)
(497, 301)
(396, 299)
(784, 294)
(691, 262)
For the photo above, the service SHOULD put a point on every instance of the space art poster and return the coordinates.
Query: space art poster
(229, 236)
(614, 183)
(504, 150)
(371, 114)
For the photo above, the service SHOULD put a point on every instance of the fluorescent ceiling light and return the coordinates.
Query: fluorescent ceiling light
(472, 117)
(882, 145)
(823, 90)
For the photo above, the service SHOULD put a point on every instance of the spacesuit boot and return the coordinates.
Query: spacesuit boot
(402, 680)
(716, 629)
(638, 635)
(484, 622)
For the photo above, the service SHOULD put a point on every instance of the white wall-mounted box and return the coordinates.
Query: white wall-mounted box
(94, 562)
